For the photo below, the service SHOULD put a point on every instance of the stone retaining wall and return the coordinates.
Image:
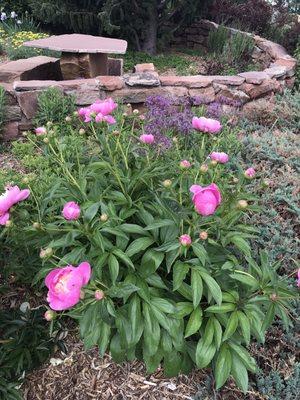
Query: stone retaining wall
(134, 88)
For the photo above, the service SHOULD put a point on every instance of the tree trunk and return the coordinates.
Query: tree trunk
(149, 45)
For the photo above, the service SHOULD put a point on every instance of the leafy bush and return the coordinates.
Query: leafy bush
(13, 44)
(167, 285)
(54, 107)
(231, 52)
(25, 344)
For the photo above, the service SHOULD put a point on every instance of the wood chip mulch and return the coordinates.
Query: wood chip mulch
(83, 375)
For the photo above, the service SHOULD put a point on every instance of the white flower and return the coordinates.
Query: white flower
(13, 15)
(19, 22)
(3, 16)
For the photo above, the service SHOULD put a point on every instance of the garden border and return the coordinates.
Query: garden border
(134, 88)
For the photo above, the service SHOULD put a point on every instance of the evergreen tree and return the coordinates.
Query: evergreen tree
(142, 22)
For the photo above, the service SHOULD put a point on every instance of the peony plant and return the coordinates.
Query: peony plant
(166, 273)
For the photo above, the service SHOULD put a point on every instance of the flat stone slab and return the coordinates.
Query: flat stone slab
(195, 81)
(255, 77)
(30, 68)
(78, 43)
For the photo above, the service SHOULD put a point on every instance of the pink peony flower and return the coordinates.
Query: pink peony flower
(221, 158)
(250, 173)
(147, 139)
(104, 107)
(185, 164)
(41, 130)
(206, 125)
(185, 240)
(105, 118)
(65, 284)
(206, 199)
(71, 211)
(10, 197)
(298, 283)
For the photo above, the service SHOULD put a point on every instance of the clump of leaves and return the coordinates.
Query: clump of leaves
(164, 303)
(54, 107)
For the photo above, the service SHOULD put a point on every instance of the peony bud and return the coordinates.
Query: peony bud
(36, 225)
(235, 180)
(46, 140)
(25, 180)
(175, 139)
(125, 114)
(68, 119)
(204, 168)
(8, 224)
(49, 124)
(185, 240)
(203, 235)
(265, 183)
(167, 183)
(81, 131)
(242, 204)
(46, 253)
(214, 163)
(185, 164)
(116, 132)
(49, 315)
(25, 134)
(142, 117)
(273, 297)
(75, 114)
(249, 173)
(136, 111)
(99, 294)
(103, 217)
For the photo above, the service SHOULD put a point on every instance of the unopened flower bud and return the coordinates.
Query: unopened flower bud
(214, 163)
(103, 217)
(81, 131)
(46, 140)
(204, 168)
(265, 183)
(49, 124)
(167, 183)
(99, 294)
(25, 180)
(203, 235)
(46, 253)
(49, 315)
(116, 132)
(136, 111)
(25, 134)
(185, 240)
(36, 225)
(68, 119)
(273, 297)
(242, 204)
(142, 117)
(184, 164)
(128, 105)
(8, 224)
(75, 114)
(125, 114)
(235, 180)
(175, 139)
(249, 173)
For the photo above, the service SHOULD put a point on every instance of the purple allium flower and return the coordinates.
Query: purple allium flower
(214, 110)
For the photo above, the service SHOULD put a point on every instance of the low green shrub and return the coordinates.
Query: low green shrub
(168, 285)
(54, 107)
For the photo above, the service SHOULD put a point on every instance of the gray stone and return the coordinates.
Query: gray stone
(276, 72)
(84, 97)
(228, 80)
(12, 113)
(234, 94)
(142, 79)
(139, 95)
(255, 77)
(28, 103)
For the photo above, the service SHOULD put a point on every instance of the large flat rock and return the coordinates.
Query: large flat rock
(40, 67)
(78, 43)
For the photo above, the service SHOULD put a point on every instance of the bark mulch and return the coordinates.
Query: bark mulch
(83, 375)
